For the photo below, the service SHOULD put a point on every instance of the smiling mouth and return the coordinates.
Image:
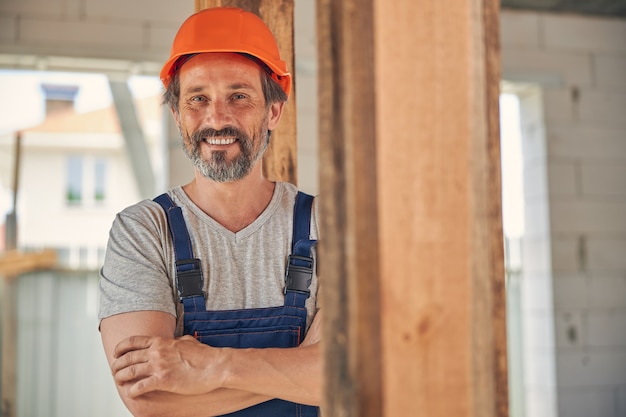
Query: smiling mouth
(220, 141)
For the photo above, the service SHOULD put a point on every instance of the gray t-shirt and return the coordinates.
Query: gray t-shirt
(241, 270)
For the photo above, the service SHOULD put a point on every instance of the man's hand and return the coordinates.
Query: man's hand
(144, 364)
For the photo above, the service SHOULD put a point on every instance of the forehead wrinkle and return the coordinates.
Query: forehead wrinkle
(199, 72)
(193, 89)
(234, 86)
(241, 86)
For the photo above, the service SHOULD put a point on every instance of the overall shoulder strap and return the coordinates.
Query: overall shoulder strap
(301, 244)
(189, 279)
(177, 226)
(300, 266)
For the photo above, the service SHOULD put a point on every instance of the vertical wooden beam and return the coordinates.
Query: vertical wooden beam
(411, 232)
(279, 162)
(349, 252)
(493, 197)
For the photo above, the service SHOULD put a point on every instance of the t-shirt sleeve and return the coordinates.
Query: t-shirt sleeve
(135, 276)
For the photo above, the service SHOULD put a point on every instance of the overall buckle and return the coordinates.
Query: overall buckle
(189, 279)
(299, 274)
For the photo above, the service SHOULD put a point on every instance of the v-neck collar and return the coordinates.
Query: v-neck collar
(274, 203)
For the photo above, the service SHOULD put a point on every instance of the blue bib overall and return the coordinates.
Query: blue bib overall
(281, 327)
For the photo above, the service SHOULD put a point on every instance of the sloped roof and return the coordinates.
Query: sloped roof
(104, 120)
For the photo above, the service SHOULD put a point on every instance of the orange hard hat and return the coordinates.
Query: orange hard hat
(227, 29)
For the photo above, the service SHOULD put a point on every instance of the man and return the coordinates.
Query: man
(207, 262)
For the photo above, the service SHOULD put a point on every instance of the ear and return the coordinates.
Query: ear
(274, 114)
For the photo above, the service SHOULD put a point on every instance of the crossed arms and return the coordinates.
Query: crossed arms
(159, 375)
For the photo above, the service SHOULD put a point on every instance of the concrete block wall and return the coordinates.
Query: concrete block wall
(579, 65)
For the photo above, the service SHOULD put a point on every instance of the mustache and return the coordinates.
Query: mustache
(209, 132)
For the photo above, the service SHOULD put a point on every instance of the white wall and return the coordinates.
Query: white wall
(579, 64)
(46, 219)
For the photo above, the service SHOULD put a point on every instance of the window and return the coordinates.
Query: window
(74, 194)
(99, 189)
(86, 180)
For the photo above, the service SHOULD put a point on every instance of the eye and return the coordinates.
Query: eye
(197, 98)
(239, 96)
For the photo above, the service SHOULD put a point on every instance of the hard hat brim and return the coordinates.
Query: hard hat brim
(283, 78)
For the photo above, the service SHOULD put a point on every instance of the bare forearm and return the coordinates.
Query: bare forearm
(160, 402)
(158, 375)
(215, 403)
(293, 374)
(252, 376)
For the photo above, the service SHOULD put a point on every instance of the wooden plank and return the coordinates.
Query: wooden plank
(349, 247)
(280, 160)
(493, 197)
(419, 99)
(14, 263)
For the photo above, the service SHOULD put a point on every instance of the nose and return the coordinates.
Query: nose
(218, 114)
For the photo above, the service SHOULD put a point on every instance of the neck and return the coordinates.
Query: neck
(235, 205)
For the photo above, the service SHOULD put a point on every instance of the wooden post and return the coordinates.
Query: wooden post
(279, 162)
(411, 249)
(349, 250)
(492, 217)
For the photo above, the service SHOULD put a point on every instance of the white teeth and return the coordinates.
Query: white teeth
(218, 141)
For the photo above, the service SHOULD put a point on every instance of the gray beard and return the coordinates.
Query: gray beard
(218, 168)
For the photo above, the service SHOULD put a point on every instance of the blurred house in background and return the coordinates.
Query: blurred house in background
(75, 174)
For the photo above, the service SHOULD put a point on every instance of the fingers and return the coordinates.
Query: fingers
(128, 359)
(131, 362)
(136, 388)
(132, 343)
(137, 380)
(131, 367)
(143, 386)
(144, 364)
(131, 351)
(131, 372)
